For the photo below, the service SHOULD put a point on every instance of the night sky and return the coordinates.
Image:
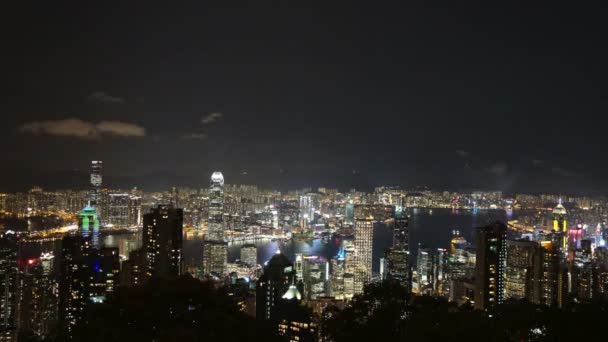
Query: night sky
(289, 94)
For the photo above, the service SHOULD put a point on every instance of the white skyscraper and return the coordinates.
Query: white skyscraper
(215, 248)
(215, 231)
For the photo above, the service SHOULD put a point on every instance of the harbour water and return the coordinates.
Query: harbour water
(430, 228)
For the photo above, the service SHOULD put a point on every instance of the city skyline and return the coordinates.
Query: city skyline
(303, 171)
(452, 97)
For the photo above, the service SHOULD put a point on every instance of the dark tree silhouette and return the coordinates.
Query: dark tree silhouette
(183, 309)
(382, 313)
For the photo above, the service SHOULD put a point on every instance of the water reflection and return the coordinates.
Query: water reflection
(430, 230)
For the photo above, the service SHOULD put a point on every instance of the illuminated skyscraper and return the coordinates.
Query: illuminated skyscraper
(44, 297)
(524, 270)
(162, 241)
(117, 212)
(306, 208)
(74, 281)
(552, 275)
(134, 211)
(337, 275)
(88, 225)
(215, 230)
(313, 277)
(560, 227)
(96, 181)
(397, 257)
(490, 266)
(249, 254)
(364, 237)
(424, 270)
(350, 266)
(215, 248)
(9, 291)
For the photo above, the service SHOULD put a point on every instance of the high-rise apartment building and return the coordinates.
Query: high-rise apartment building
(74, 282)
(9, 289)
(163, 241)
(490, 266)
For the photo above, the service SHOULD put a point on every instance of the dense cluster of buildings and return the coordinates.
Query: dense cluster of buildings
(550, 257)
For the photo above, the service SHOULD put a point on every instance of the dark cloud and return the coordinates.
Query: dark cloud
(538, 162)
(563, 172)
(194, 136)
(211, 118)
(462, 153)
(498, 168)
(103, 97)
(82, 129)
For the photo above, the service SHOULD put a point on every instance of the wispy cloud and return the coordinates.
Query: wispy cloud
(103, 97)
(498, 168)
(194, 136)
(82, 129)
(563, 172)
(211, 118)
(119, 128)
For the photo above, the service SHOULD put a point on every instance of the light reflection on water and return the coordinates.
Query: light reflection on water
(432, 230)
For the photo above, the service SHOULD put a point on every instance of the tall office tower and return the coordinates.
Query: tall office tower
(299, 267)
(44, 297)
(524, 270)
(306, 208)
(397, 257)
(88, 225)
(350, 266)
(364, 237)
(551, 282)
(134, 211)
(74, 282)
(560, 227)
(162, 241)
(490, 266)
(9, 289)
(215, 258)
(273, 284)
(582, 282)
(458, 259)
(424, 270)
(314, 277)
(117, 213)
(38, 304)
(215, 230)
(349, 211)
(215, 248)
(249, 254)
(96, 181)
(440, 273)
(338, 270)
